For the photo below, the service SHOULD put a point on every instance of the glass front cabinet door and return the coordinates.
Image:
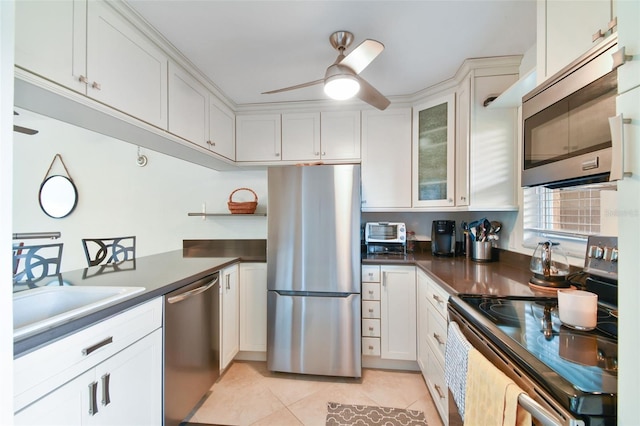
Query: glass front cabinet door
(433, 144)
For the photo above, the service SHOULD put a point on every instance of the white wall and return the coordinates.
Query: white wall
(6, 143)
(118, 198)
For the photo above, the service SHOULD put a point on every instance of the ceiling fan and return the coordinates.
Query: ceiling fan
(342, 80)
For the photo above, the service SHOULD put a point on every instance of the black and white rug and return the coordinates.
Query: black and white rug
(364, 415)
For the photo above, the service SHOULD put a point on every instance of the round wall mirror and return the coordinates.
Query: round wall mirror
(58, 196)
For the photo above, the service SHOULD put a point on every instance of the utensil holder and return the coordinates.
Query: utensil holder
(482, 251)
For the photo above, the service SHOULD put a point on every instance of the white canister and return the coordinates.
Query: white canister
(578, 309)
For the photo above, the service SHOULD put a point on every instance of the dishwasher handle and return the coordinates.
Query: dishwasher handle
(187, 294)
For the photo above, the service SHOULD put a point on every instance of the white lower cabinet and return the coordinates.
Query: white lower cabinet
(432, 339)
(253, 307)
(107, 374)
(389, 311)
(229, 315)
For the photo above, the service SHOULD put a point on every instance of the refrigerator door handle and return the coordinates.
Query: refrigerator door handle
(312, 293)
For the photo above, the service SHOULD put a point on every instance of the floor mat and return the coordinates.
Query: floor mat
(351, 415)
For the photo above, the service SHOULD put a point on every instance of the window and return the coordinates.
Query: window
(566, 215)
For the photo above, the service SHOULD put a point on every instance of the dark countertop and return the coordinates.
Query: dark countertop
(162, 273)
(158, 274)
(509, 276)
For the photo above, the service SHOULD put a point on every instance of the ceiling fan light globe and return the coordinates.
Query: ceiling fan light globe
(341, 87)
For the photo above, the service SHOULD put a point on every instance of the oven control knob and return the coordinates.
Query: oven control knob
(598, 252)
(614, 255)
(591, 253)
(608, 251)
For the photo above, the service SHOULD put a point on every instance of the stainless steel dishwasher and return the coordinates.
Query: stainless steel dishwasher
(191, 348)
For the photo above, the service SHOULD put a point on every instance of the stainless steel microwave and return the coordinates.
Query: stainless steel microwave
(567, 135)
(385, 232)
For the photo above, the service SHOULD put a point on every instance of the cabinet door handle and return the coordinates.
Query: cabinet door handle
(437, 298)
(370, 310)
(384, 279)
(93, 348)
(370, 328)
(106, 398)
(597, 35)
(96, 85)
(438, 339)
(620, 57)
(83, 79)
(616, 125)
(277, 154)
(370, 347)
(93, 403)
(439, 390)
(228, 285)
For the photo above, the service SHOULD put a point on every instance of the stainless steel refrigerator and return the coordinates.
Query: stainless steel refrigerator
(313, 270)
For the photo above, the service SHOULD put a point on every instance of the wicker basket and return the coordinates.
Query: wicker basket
(245, 207)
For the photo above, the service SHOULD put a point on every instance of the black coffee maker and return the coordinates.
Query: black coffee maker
(443, 238)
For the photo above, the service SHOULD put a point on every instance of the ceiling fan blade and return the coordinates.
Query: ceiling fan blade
(363, 55)
(370, 95)
(24, 130)
(297, 86)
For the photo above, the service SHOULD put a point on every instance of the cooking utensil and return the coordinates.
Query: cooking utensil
(495, 226)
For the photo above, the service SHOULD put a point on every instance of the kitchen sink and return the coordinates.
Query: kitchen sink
(40, 308)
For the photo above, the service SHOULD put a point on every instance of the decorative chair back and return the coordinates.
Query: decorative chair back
(106, 251)
(34, 263)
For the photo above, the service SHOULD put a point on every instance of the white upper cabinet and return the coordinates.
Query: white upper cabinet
(493, 147)
(386, 159)
(340, 135)
(434, 152)
(50, 40)
(188, 106)
(301, 136)
(197, 115)
(88, 47)
(629, 40)
(463, 118)
(258, 137)
(325, 136)
(222, 129)
(567, 29)
(125, 70)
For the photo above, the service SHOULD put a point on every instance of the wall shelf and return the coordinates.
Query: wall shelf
(225, 214)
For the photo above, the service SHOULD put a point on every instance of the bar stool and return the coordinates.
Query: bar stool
(106, 251)
(34, 263)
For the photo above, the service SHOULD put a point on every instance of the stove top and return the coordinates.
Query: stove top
(585, 363)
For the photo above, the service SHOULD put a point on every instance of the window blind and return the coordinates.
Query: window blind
(566, 215)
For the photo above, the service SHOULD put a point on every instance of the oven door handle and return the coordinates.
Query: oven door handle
(538, 411)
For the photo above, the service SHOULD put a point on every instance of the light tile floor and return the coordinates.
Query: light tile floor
(249, 394)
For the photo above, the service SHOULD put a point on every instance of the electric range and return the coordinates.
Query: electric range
(571, 373)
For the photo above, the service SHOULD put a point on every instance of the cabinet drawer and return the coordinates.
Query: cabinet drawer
(371, 327)
(370, 309)
(438, 297)
(40, 371)
(370, 291)
(438, 386)
(371, 346)
(370, 273)
(437, 336)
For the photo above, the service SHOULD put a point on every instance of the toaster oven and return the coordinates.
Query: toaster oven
(385, 232)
